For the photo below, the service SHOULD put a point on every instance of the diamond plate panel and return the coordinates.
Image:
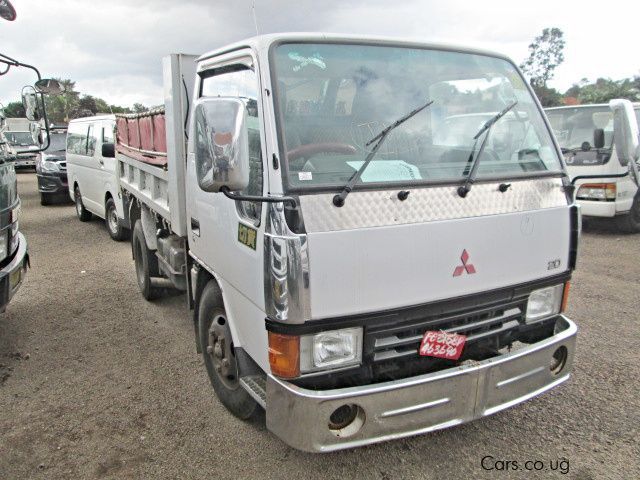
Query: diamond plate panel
(381, 208)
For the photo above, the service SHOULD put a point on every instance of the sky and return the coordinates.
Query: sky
(113, 49)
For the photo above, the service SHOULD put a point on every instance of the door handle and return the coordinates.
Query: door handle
(101, 162)
(195, 226)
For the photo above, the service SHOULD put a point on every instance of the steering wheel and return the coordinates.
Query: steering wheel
(310, 149)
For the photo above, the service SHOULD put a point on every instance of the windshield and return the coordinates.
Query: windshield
(19, 139)
(58, 142)
(575, 128)
(334, 98)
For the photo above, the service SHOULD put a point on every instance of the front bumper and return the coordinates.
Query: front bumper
(53, 183)
(12, 275)
(24, 161)
(590, 208)
(421, 404)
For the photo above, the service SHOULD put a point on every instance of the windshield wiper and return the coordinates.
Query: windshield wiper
(338, 199)
(473, 160)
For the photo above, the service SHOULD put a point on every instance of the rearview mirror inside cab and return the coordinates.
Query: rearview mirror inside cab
(221, 144)
(598, 138)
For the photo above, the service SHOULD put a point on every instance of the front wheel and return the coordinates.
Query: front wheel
(219, 355)
(630, 222)
(44, 199)
(116, 231)
(84, 215)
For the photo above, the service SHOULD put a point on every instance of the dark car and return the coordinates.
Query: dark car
(51, 169)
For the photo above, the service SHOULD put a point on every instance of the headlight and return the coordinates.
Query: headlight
(331, 349)
(49, 166)
(597, 191)
(3, 245)
(544, 302)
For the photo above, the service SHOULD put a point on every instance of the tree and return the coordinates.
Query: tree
(605, 89)
(60, 108)
(14, 110)
(545, 55)
(139, 108)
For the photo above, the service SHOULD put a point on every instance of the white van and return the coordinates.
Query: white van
(91, 171)
(586, 134)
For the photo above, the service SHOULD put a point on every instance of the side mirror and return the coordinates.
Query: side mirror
(108, 150)
(31, 103)
(221, 144)
(625, 131)
(49, 86)
(598, 138)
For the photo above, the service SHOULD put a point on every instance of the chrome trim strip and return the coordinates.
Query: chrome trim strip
(414, 408)
(286, 270)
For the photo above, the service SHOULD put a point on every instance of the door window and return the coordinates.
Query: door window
(239, 81)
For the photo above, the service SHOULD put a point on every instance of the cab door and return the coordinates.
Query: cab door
(224, 234)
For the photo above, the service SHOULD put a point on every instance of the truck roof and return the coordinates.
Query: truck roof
(263, 42)
(636, 106)
(105, 116)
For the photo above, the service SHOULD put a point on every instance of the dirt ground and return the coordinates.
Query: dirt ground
(95, 382)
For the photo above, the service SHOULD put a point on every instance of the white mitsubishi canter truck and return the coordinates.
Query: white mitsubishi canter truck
(347, 271)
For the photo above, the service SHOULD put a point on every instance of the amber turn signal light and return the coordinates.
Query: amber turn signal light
(284, 355)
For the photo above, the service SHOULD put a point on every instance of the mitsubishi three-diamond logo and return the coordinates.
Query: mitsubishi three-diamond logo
(465, 267)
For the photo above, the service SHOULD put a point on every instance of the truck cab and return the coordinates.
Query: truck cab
(14, 257)
(604, 189)
(352, 268)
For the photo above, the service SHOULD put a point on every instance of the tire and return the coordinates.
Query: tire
(146, 263)
(630, 223)
(116, 231)
(217, 347)
(84, 215)
(45, 199)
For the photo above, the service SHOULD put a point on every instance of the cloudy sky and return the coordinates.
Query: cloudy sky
(113, 49)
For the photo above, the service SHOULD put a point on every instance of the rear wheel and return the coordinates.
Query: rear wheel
(146, 263)
(630, 222)
(116, 230)
(219, 355)
(84, 215)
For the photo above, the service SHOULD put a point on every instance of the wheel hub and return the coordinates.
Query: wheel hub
(220, 349)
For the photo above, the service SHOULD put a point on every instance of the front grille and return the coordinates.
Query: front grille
(486, 326)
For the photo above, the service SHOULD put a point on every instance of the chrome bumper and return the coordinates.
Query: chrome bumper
(421, 404)
(13, 274)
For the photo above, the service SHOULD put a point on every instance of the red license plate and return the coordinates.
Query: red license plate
(442, 345)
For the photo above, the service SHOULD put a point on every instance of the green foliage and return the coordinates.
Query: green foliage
(549, 97)
(14, 110)
(71, 104)
(605, 89)
(139, 108)
(545, 55)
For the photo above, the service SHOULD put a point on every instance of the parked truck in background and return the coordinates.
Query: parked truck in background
(22, 142)
(586, 134)
(345, 270)
(14, 257)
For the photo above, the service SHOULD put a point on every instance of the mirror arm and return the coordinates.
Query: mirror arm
(12, 62)
(257, 198)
